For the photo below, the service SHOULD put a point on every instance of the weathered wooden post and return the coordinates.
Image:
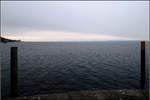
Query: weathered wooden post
(14, 78)
(142, 64)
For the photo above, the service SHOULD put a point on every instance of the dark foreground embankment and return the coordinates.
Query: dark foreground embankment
(91, 95)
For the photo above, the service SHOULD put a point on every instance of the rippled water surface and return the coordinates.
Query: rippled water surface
(51, 67)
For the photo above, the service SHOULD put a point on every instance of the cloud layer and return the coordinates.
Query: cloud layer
(64, 36)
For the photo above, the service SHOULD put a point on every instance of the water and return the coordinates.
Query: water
(53, 67)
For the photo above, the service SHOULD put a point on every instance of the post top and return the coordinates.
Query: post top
(14, 47)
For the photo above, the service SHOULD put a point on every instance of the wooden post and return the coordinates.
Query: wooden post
(142, 64)
(14, 79)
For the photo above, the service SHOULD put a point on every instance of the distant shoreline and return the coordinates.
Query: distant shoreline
(5, 40)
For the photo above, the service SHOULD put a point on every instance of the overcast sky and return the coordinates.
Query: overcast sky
(75, 20)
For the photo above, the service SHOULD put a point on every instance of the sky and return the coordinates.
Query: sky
(75, 20)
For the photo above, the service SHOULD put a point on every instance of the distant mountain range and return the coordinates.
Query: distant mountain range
(5, 40)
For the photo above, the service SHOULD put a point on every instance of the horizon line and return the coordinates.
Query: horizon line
(88, 41)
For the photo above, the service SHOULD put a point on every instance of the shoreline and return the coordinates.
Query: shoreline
(90, 95)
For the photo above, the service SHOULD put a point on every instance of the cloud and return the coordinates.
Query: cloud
(64, 36)
(113, 18)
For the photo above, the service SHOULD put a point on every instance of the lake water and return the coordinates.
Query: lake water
(52, 67)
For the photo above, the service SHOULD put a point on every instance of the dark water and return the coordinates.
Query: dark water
(60, 67)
